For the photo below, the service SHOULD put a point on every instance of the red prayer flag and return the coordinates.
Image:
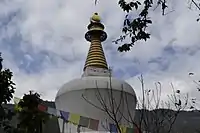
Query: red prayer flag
(94, 124)
(42, 107)
(137, 130)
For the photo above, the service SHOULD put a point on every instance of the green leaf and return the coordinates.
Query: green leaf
(132, 4)
(149, 21)
(133, 39)
(95, 2)
(136, 6)
(124, 30)
(138, 3)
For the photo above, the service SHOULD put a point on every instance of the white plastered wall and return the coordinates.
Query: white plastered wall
(79, 95)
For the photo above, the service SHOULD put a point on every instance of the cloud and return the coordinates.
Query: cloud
(171, 53)
(43, 43)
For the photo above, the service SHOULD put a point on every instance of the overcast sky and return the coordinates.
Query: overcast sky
(42, 42)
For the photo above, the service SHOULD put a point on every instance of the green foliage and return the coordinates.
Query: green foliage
(7, 86)
(7, 89)
(127, 7)
(135, 29)
(31, 120)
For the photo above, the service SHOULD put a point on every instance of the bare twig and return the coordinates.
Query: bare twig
(159, 119)
(195, 3)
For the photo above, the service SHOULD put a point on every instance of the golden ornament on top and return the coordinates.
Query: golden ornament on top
(96, 18)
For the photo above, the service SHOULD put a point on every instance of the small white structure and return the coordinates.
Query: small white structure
(97, 92)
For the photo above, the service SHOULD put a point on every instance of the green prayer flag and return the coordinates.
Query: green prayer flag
(17, 107)
(129, 130)
(94, 124)
(74, 118)
(123, 129)
(84, 121)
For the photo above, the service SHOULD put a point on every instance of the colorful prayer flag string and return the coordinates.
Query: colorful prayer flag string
(82, 121)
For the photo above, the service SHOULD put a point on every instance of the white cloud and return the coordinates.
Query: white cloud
(58, 28)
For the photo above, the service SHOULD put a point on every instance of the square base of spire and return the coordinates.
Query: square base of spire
(92, 71)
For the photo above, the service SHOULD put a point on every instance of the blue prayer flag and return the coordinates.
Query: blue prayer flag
(113, 128)
(64, 115)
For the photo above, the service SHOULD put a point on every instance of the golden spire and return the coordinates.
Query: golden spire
(96, 35)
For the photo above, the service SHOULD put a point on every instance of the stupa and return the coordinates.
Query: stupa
(96, 90)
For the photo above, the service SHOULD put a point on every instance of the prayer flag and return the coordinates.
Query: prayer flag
(74, 118)
(94, 124)
(16, 100)
(63, 127)
(42, 107)
(103, 126)
(17, 108)
(113, 128)
(129, 130)
(136, 130)
(84, 121)
(64, 115)
(123, 129)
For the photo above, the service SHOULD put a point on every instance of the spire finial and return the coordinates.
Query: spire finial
(95, 18)
(96, 35)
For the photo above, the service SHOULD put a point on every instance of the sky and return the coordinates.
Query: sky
(43, 44)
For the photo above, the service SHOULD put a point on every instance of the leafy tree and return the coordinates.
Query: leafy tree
(136, 29)
(31, 120)
(7, 89)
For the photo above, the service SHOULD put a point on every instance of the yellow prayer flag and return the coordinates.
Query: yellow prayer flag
(17, 108)
(16, 100)
(123, 129)
(74, 118)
